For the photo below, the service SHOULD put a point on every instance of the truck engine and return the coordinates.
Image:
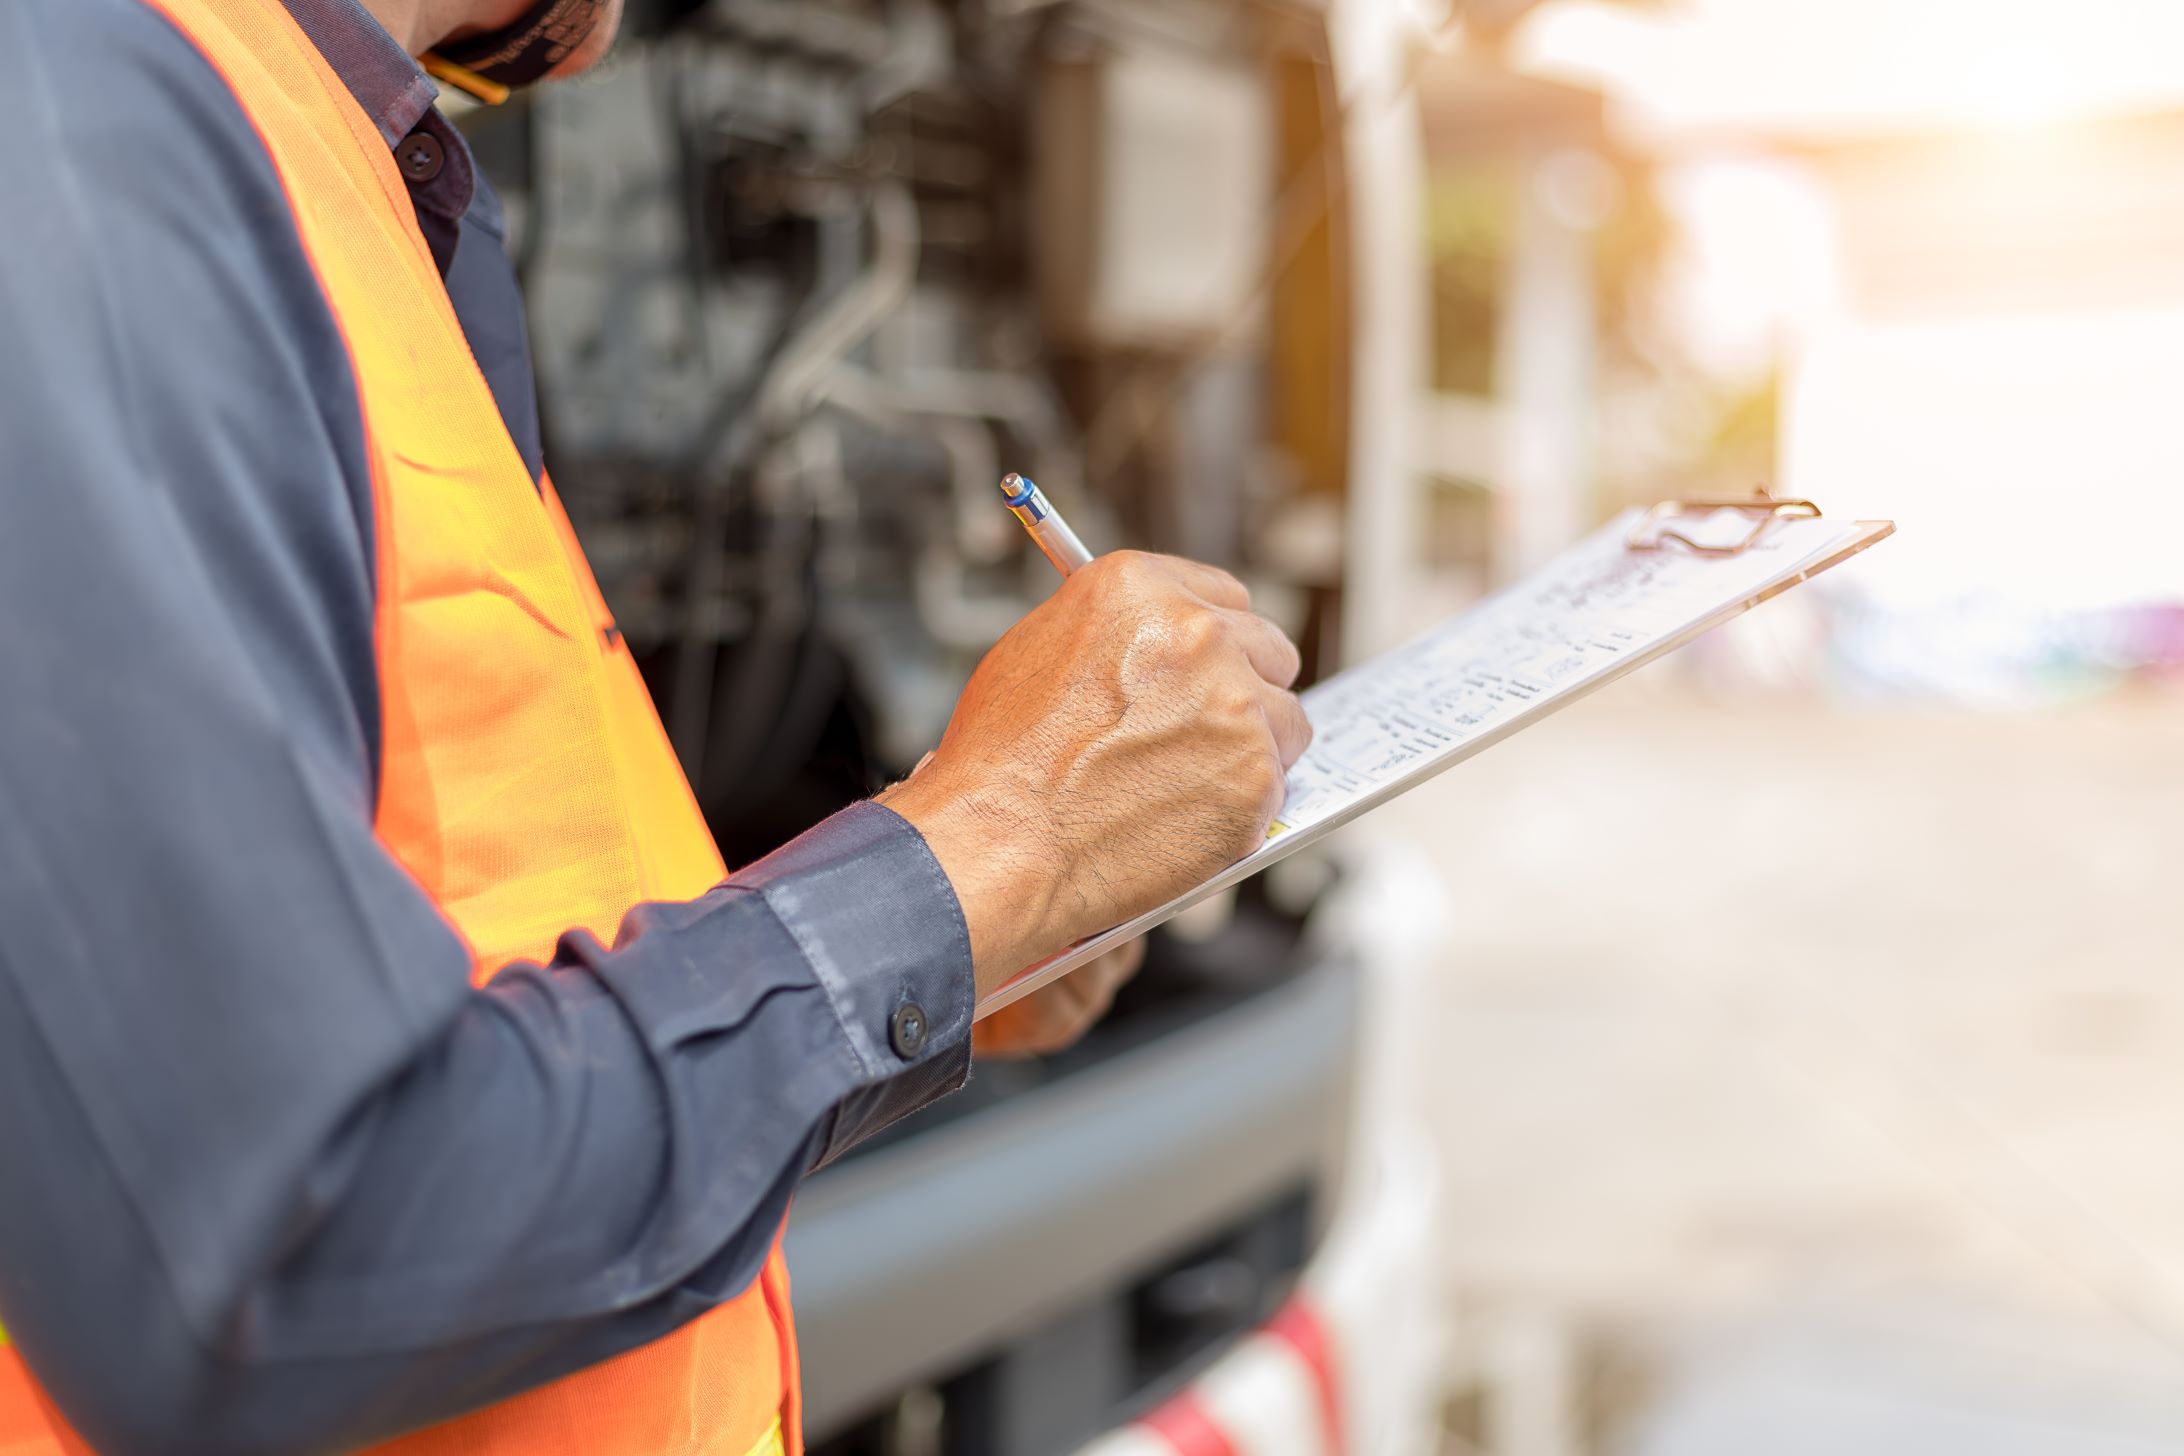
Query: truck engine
(805, 279)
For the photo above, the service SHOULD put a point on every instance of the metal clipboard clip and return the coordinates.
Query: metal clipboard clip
(1654, 532)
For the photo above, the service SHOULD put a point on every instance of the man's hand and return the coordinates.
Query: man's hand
(1054, 1016)
(1124, 741)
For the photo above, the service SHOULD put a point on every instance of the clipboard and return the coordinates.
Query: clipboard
(1645, 584)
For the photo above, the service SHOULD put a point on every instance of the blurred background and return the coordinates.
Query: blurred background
(1777, 1053)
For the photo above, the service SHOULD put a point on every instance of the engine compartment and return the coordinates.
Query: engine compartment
(805, 277)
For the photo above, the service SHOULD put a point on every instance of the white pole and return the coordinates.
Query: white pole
(1384, 158)
(1545, 367)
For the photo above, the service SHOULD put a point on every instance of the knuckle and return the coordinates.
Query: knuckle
(1161, 640)
(1178, 635)
(1199, 631)
(1107, 578)
(1259, 781)
(1133, 569)
(1232, 701)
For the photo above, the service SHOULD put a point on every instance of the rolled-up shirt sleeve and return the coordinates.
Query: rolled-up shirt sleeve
(277, 1176)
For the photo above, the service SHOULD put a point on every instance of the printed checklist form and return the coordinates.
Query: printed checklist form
(1613, 602)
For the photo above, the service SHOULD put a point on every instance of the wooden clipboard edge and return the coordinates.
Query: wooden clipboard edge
(1062, 963)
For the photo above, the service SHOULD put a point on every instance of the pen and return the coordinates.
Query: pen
(1029, 504)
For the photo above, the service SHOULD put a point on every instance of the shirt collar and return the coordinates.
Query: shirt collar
(392, 88)
(395, 93)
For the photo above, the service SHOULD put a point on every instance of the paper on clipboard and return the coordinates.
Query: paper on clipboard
(1594, 613)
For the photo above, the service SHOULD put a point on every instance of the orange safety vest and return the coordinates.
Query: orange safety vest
(525, 781)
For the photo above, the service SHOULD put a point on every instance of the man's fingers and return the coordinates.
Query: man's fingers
(1116, 967)
(1292, 730)
(1129, 957)
(1098, 982)
(1271, 654)
(1210, 584)
(1055, 1016)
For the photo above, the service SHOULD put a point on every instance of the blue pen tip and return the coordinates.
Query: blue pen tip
(1016, 489)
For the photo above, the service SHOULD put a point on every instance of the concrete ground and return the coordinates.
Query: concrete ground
(1814, 1080)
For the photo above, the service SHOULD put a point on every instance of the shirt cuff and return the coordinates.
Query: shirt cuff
(876, 919)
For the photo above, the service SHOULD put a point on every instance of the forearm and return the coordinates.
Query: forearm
(560, 1166)
(585, 1134)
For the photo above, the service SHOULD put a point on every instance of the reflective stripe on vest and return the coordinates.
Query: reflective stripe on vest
(769, 1444)
(525, 782)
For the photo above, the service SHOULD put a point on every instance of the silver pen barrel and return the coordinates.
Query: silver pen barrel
(1029, 504)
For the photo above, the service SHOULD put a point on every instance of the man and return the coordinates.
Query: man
(326, 1117)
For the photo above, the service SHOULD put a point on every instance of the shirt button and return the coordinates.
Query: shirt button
(420, 156)
(906, 1031)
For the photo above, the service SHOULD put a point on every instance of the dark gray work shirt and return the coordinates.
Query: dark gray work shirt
(273, 1175)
